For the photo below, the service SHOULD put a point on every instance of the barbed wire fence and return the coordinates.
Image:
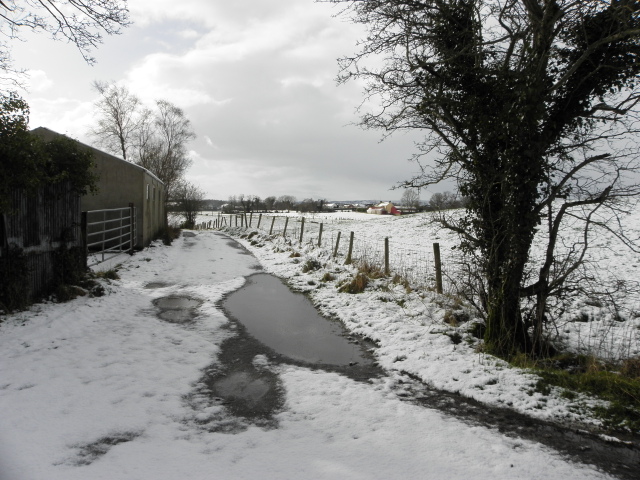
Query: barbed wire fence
(420, 266)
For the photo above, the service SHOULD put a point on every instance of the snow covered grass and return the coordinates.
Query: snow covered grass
(101, 388)
(434, 337)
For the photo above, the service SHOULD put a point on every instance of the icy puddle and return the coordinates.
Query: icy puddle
(288, 323)
(177, 309)
(271, 325)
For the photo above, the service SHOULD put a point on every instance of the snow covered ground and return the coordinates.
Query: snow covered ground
(410, 328)
(101, 388)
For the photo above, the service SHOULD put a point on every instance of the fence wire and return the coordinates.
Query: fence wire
(415, 264)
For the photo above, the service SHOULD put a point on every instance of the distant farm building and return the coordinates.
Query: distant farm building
(384, 208)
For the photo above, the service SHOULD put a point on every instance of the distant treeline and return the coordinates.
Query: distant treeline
(253, 203)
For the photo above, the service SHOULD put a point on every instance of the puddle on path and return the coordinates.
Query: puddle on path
(288, 323)
(250, 391)
(177, 309)
(271, 323)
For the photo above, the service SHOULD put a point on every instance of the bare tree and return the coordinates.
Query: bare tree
(285, 202)
(80, 22)
(189, 202)
(531, 106)
(119, 118)
(410, 198)
(155, 140)
(269, 202)
(163, 151)
(444, 201)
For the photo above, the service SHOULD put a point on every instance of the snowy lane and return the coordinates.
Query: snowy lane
(102, 389)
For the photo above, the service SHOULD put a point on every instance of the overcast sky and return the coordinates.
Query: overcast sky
(256, 79)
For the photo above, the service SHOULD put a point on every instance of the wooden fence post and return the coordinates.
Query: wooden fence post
(250, 219)
(320, 236)
(348, 261)
(335, 251)
(301, 229)
(259, 220)
(286, 222)
(387, 272)
(246, 224)
(438, 264)
(236, 217)
(273, 220)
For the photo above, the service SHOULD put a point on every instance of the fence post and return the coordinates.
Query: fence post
(259, 220)
(320, 236)
(436, 258)
(335, 251)
(250, 219)
(286, 222)
(131, 220)
(236, 217)
(387, 272)
(104, 222)
(273, 220)
(244, 216)
(85, 240)
(348, 260)
(301, 229)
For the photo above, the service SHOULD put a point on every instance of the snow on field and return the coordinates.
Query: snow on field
(101, 388)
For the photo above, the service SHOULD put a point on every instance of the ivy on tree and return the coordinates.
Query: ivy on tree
(531, 107)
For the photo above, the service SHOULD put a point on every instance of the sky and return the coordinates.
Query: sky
(257, 80)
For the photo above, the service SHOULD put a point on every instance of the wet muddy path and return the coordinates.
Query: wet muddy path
(272, 326)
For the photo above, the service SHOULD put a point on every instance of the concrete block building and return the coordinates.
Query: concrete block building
(121, 183)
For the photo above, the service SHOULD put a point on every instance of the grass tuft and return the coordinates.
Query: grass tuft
(356, 285)
(328, 277)
(311, 265)
(111, 274)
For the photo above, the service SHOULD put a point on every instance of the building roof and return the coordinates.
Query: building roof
(48, 134)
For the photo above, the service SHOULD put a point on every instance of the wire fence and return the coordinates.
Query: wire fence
(422, 267)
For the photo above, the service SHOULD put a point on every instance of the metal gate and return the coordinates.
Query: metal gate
(109, 232)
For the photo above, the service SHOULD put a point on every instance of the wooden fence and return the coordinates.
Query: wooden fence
(37, 225)
(422, 267)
